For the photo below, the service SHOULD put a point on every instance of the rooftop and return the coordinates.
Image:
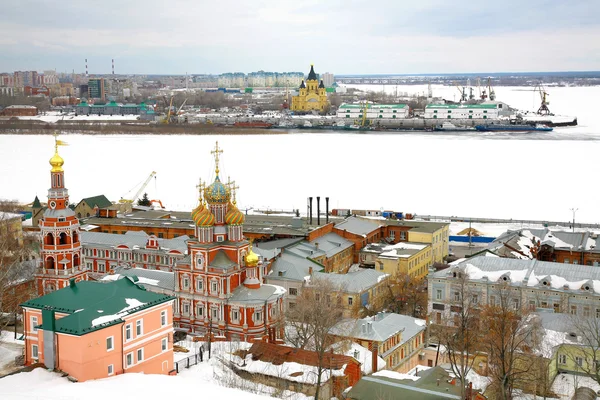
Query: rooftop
(131, 239)
(353, 282)
(151, 279)
(370, 105)
(358, 226)
(398, 250)
(95, 305)
(380, 327)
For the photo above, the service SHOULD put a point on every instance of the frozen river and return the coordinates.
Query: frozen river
(517, 175)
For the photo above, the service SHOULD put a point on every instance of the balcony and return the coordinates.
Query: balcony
(59, 272)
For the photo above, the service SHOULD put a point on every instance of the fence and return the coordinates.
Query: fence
(189, 361)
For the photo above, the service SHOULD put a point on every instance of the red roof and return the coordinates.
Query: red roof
(277, 355)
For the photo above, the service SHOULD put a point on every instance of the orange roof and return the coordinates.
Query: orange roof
(277, 355)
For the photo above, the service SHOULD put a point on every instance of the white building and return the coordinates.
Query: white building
(328, 79)
(491, 110)
(374, 111)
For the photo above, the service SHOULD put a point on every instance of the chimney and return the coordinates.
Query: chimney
(375, 354)
(310, 210)
(326, 210)
(318, 210)
(317, 245)
(310, 271)
(49, 328)
(72, 282)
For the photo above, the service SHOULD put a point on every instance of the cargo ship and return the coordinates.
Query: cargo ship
(512, 128)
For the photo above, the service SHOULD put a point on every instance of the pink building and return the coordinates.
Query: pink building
(93, 330)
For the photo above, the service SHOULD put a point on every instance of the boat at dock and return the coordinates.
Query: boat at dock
(513, 128)
(450, 127)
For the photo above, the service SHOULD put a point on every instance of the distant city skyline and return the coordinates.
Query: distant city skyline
(389, 37)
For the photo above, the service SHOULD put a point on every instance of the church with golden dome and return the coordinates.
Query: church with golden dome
(312, 96)
(219, 285)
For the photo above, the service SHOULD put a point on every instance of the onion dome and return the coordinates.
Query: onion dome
(197, 210)
(56, 162)
(251, 258)
(217, 193)
(205, 218)
(234, 216)
(302, 85)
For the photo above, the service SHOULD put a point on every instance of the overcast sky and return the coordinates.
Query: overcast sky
(350, 36)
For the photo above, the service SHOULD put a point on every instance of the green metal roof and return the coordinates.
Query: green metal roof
(36, 203)
(370, 105)
(101, 201)
(466, 106)
(94, 305)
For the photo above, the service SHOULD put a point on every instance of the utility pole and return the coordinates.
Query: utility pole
(574, 210)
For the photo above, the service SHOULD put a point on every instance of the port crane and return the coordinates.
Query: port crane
(140, 190)
(490, 89)
(462, 91)
(482, 93)
(543, 110)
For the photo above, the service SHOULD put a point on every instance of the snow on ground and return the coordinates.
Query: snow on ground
(55, 117)
(9, 349)
(564, 385)
(210, 378)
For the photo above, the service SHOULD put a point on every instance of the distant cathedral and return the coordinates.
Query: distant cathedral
(312, 96)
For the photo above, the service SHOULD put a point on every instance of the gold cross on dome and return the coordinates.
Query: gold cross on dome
(200, 186)
(216, 153)
(232, 187)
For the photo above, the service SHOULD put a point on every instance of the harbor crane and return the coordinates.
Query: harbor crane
(482, 93)
(491, 90)
(543, 110)
(140, 190)
(462, 91)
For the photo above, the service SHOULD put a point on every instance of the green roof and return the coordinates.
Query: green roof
(36, 203)
(370, 105)
(101, 201)
(467, 106)
(94, 305)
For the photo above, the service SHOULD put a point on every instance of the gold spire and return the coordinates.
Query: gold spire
(251, 257)
(216, 152)
(233, 188)
(56, 161)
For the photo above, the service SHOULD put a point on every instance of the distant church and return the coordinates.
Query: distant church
(312, 95)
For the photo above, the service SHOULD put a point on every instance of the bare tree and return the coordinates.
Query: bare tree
(401, 294)
(462, 334)
(318, 309)
(584, 349)
(510, 335)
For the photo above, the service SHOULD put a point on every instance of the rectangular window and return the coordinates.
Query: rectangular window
(139, 327)
(215, 314)
(129, 359)
(213, 287)
(110, 343)
(186, 308)
(574, 310)
(34, 322)
(293, 291)
(567, 261)
(111, 370)
(579, 361)
(562, 358)
(199, 285)
(438, 294)
(235, 315)
(128, 334)
(34, 351)
(493, 300)
(163, 318)
(140, 355)
(258, 316)
(349, 301)
(474, 299)
(186, 283)
(456, 296)
(164, 344)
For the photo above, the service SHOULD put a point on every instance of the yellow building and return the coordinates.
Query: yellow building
(11, 228)
(312, 96)
(412, 259)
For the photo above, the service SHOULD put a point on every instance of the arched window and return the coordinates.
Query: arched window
(75, 237)
(76, 260)
(49, 239)
(63, 238)
(50, 263)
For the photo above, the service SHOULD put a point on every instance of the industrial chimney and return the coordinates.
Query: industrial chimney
(326, 210)
(310, 210)
(318, 210)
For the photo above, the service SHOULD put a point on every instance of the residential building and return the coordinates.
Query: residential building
(60, 251)
(436, 234)
(219, 284)
(91, 205)
(94, 330)
(328, 79)
(549, 245)
(311, 96)
(398, 339)
(19, 111)
(360, 231)
(403, 258)
(374, 111)
(297, 369)
(534, 285)
(431, 384)
(103, 252)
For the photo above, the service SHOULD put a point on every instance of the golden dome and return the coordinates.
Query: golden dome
(251, 257)
(57, 162)
(234, 216)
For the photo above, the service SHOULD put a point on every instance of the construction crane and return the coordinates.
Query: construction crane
(140, 190)
(462, 91)
(168, 117)
(543, 110)
(491, 90)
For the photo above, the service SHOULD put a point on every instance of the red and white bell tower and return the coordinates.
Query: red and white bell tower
(60, 250)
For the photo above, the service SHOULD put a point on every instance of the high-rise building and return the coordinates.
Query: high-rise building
(328, 79)
(96, 89)
(60, 250)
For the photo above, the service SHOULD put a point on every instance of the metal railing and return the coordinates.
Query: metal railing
(189, 361)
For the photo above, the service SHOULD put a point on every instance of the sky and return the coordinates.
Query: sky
(342, 37)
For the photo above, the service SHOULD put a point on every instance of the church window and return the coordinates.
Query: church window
(235, 315)
(200, 311)
(258, 316)
(186, 308)
(199, 285)
(214, 286)
(186, 283)
(215, 313)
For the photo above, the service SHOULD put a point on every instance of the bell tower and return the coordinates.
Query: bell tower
(60, 250)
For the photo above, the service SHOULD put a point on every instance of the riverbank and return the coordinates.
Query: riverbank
(103, 128)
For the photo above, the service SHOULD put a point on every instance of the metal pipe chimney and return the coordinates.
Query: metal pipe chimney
(326, 210)
(310, 210)
(318, 210)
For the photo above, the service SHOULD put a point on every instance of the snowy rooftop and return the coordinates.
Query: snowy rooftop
(353, 282)
(380, 327)
(398, 250)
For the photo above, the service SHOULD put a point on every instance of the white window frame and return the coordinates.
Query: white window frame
(258, 316)
(185, 282)
(137, 354)
(139, 327)
(164, 344)
(438, 294)
(214, 286)
(112, 343)
(562, 359)
(199, 285)
(128, 332)
(163, 318)
(184, 306)
(579, 361)
(350, 300)
(200, 310)
(111, 369)
(35, 354)
(235, 315)
(129, 359)
(34, 321)
(213, 312)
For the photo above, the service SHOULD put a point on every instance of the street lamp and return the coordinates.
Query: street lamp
(574, 210)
